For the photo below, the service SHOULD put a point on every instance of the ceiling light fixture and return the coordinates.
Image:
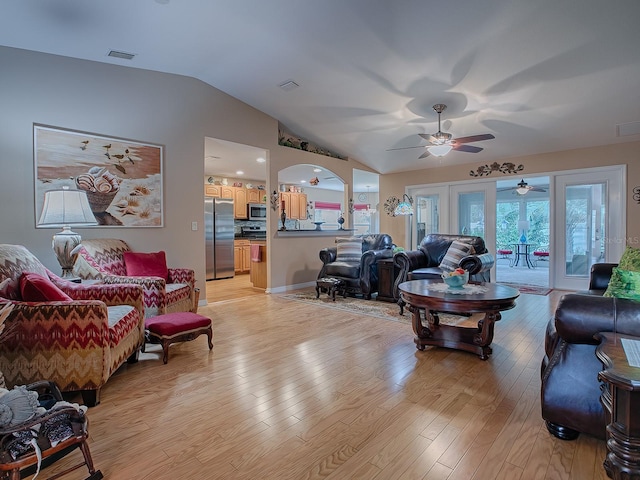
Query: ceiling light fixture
(239, 172)
(523, 187)
(439, 150)
(260, 160)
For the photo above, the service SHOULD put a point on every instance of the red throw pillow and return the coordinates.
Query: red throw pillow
(36, 288)
(146, 264)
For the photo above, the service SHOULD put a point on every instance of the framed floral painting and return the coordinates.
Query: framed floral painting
(122, 178)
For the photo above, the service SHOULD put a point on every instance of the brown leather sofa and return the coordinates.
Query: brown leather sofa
(424, 262)
(360, 278)
(570, 393)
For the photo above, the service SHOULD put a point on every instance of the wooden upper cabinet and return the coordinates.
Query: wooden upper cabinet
(286, 198)
(240, 203)
(212, 190)
(295, 204)
(254, 195)
(226, 191)
(302, 206)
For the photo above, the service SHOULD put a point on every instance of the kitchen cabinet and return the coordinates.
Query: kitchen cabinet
(240, 203)
(241, 197)
(255, 196)
(242, 256)
(302, 206)
(213, 190)
(227, 191)
(295, 204)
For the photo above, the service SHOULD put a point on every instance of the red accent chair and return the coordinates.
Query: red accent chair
(77, 343)
(103, 259)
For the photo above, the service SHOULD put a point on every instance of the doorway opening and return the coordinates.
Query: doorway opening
(523, 231)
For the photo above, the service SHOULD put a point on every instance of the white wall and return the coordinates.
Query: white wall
(175, 111)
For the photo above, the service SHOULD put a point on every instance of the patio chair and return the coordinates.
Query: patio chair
(541, 254)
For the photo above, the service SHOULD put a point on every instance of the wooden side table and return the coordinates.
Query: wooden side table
(387, 273)
(621, 398)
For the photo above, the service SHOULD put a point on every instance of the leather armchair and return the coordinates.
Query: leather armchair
(570, 390)
(424, 262)
(77, 344)
(361, 278)
(103, 259)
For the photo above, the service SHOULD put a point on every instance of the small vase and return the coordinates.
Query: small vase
(283, 219)
(341, 222)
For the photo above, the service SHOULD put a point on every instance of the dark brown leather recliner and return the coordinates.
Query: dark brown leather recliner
(424, 262)
(570, 393)
(359, 277)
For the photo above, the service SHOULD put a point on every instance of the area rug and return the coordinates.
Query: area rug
(530, 289)
(374, 308)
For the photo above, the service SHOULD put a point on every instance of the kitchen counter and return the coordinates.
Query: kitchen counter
(315, 233)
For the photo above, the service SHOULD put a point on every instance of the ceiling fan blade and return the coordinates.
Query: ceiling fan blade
(474, 138)
(403, 148)
(424, 155)
(428, 137)
(468, 148)
(537, 189)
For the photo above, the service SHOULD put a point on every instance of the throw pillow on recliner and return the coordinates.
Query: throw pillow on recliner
(456, 252)
(349, 249)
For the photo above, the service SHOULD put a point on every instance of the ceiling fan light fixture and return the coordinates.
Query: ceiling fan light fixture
(439, 150)
(523, 187)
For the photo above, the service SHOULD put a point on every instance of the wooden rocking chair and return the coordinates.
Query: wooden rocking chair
(18, 460)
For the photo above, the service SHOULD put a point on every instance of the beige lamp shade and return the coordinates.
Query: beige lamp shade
(65, 208)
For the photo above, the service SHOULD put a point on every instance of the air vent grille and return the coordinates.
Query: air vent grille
(288, 85)
(624, 129)
(122, 55)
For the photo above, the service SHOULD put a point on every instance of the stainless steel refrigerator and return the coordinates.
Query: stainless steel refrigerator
(219, 233)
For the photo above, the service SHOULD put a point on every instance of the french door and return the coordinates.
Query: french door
(586, 219)
(591, 217)
(457, 209)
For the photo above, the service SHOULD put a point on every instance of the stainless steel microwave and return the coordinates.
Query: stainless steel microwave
(257, 211)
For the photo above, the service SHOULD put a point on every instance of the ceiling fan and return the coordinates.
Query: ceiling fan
(442, 143)
(522, 188)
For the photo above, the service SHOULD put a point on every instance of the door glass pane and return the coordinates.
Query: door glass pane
(585, 214)
(427, 216)
(471, 213)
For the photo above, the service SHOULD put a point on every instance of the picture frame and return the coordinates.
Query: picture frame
(123, 178)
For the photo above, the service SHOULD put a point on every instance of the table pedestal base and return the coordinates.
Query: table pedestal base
(470, 339)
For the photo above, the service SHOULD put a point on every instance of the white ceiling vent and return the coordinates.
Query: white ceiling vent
(288, 85)
(624, 129)
(122, 55)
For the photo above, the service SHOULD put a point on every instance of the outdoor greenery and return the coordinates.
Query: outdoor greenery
(508, 216)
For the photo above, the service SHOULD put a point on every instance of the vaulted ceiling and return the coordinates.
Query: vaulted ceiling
(539, 75)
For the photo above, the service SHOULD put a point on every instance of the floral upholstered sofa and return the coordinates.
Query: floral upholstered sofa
(172, 290)
(72, 334)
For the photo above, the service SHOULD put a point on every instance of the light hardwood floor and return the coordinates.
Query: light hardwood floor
(298, 391)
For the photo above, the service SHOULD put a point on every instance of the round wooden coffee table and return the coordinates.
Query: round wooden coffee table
(428, 297)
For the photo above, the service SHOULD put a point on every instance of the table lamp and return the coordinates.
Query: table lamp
(66, 208)
(405, 207)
